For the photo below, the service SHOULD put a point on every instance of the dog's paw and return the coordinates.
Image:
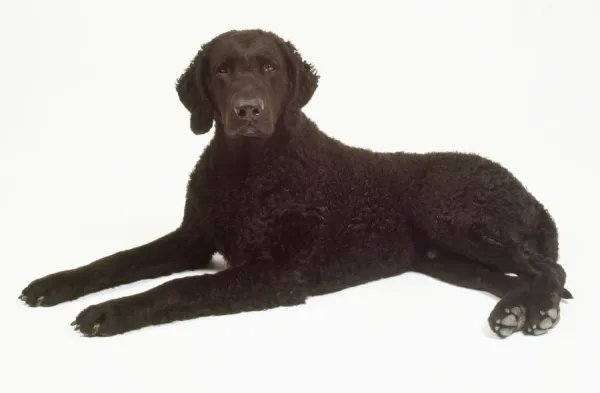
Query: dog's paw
(543, 314)
(542, 324)
(105, 319)
(533, 313)
(50, 290)
(505, 321)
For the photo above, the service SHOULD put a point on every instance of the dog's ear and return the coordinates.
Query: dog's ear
(304, 77)
(191, 90)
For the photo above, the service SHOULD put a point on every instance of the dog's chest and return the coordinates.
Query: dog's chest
(244, 221)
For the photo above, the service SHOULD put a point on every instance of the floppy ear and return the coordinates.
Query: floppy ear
(305, 77)
(190, 88)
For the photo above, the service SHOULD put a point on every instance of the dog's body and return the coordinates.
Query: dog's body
(296, 213)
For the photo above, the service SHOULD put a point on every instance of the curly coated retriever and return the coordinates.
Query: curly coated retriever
(296, 213)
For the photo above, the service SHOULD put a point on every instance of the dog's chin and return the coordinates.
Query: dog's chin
(250, 131)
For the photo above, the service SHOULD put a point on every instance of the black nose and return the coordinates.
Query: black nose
(248, 108)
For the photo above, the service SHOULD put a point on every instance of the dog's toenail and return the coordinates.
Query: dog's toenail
(95, 329)
(498, 321)
(542, 312)
(506, 310)
(497, 328)
(40, 300)
(23, 297)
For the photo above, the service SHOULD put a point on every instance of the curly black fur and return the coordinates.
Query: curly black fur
(297, 213)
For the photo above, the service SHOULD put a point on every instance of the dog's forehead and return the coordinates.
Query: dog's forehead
(246, 45)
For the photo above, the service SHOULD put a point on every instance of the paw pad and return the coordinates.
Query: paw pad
(544, 325)
(512, 320)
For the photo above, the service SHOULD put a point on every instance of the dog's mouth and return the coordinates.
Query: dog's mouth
(250, 130)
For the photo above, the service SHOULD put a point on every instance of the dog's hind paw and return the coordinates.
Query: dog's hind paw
(542, 327)
(532, 313)
(506, 321)
(543, 314)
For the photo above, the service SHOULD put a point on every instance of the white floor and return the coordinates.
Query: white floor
(95, 153)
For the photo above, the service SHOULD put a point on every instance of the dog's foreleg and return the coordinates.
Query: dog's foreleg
(250, 287)
(172, 253)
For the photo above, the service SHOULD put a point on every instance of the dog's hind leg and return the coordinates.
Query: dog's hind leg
(172, 253)
(460, 271)
(533, 307)
(509, 240)
(538, 302)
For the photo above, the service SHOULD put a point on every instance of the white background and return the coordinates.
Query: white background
(95, 152)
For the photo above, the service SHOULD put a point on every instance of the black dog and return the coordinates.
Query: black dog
(296, 213)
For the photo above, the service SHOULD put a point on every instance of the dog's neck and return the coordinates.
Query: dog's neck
(243, 157)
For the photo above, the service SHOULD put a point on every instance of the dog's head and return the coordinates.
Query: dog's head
(245, 80)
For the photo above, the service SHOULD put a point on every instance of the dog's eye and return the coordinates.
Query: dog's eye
(222, 70)
(268, 67)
